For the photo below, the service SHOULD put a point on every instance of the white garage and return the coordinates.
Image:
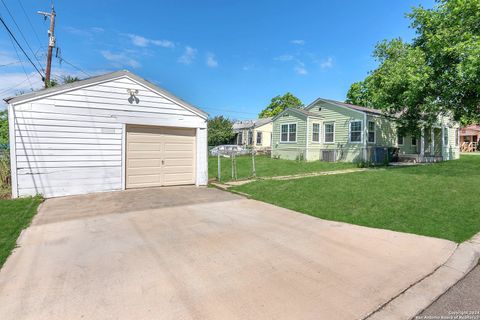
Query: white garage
(106, 133)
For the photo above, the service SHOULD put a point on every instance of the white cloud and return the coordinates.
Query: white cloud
(211, 61)
(300, 70)
(140, 41)
(120, 59)
(188, 55)
(163, 43)
(248, 67)
(327, 63)
(77, 31)
(97, 29)
(298, 42)
(284, 57)
(15, 83)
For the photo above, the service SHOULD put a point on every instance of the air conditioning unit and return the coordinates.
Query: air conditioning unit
(329, 155)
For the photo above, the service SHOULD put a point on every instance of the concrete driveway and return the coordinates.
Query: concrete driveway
(198, 253)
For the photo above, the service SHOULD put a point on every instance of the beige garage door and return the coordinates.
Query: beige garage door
(159, 156)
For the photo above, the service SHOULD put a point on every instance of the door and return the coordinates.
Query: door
(159, 156)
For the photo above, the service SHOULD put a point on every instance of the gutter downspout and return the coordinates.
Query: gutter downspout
(365, 137)
(13, 150)
(306, 141)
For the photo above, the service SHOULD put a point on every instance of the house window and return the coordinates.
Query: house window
(400, 140)
(356, 131)
(316, 132)
(259, 138)
(250, 138)
(371, 132)
(288, 132)
(240, 138)
(329, 132)
(414, 141)
(445, 136)
(457, 137)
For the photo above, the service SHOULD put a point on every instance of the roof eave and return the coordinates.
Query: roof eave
(104, 78)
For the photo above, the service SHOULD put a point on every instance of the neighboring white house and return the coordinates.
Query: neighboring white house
(254, 133)
(105, 133)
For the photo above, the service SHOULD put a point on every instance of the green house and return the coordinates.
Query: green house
(330, 130)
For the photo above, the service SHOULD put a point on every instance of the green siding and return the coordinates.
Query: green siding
(289, 150)
(385, 135)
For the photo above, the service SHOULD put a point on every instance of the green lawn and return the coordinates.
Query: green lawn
(268, 167)
(15, 215)
(439, 200)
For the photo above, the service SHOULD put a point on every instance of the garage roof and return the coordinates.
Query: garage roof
(103, 78)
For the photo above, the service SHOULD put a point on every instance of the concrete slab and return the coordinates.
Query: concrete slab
(190, 253)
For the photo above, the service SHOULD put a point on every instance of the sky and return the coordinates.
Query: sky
(225, 57)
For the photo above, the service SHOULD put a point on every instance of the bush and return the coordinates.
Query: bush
(5, 175)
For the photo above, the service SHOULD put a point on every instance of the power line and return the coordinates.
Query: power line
(74, 66)
(230, 111)
(23, 67)
(21, 33)
(15, 86)
(30, 22)
(11, 63)
(18, 44)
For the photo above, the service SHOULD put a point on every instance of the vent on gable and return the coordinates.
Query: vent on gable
(285, 114)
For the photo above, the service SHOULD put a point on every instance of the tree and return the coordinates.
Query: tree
(280, 103)
(220, 131)
(438, 73)
(3, 128)
(69, 79)
(64, 80)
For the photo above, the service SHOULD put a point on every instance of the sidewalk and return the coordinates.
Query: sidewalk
(226, 185)
(422, 294)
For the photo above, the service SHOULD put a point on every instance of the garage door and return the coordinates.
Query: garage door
(159, 156)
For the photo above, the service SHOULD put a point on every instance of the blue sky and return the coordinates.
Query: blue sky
(226, 57)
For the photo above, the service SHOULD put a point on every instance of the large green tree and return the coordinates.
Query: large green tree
(438, 72)
(220, 131)
(280, 103)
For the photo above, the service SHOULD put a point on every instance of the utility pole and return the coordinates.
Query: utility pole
(51, 43)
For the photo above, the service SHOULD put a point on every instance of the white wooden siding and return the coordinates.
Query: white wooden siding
(71, 142)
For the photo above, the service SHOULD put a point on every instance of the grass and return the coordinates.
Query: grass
(268, 167)
(15, 215)
(439, 200)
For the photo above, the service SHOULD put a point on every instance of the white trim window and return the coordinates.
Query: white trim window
(329, 132)
(445, 136)
(414, 141)
(372, 136)
(288, 132)
(355, 132)
(316, 132)
(259, 138)
(240, 138)
(400, 139)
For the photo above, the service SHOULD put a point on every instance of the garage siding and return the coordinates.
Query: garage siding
(71, 143)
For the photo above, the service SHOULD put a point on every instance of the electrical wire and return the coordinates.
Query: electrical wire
(10, 63)
(30, 22)
(15, 86)
(74, 66)
(21, 33)
(21, 63)
(230, 111)
(21, 48)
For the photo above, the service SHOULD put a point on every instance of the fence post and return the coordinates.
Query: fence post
(219, 168)
(254, 173)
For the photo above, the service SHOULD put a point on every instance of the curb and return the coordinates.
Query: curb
(422, 294)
